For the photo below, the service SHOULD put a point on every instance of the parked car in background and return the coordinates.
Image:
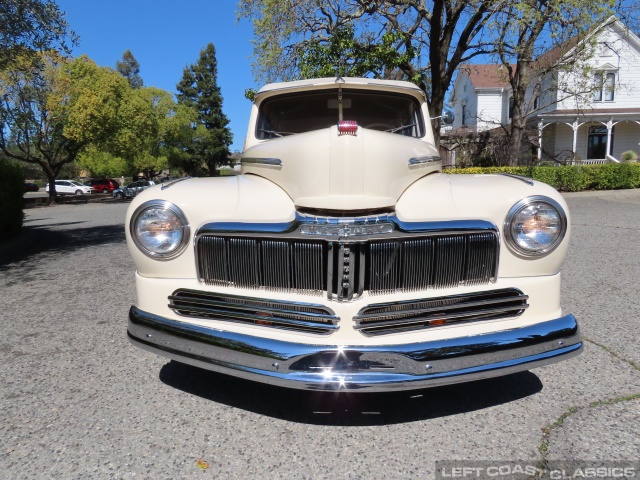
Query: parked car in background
(70, 187)
(343, 258)
(105, 185)
(31, 187)
(133, 189)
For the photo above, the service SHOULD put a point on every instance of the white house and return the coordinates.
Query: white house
(589, 111)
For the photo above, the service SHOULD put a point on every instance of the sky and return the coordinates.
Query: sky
(165, 36)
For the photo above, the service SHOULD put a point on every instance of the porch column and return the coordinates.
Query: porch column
(609, 128)
(575, 127)
(540, 127)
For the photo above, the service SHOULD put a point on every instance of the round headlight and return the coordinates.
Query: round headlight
(535, 226)
(159, 229)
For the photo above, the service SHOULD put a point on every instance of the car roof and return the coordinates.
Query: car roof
(345, 82)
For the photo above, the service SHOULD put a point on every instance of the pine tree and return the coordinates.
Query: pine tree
(129, 68)
(198, 89)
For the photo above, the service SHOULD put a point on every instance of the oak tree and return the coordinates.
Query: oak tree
(52, 108)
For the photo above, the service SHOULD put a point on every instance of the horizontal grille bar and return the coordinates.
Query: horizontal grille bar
(305, 317)
(345, 268)
(380, 319)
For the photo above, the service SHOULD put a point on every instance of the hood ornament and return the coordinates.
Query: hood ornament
(348, 127)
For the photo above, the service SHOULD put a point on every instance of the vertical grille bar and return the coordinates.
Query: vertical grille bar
(307, 266)
(276, 264)
(331, 253)
(417, 264)
(481, 258)
(243, 259)
(449, 261)
(385, 261)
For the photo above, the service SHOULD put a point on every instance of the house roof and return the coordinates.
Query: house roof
(487, 75)
(496, 76)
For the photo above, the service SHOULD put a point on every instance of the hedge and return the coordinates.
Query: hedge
(11, 199)
(610, 176)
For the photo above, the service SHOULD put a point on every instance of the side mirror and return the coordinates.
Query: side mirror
(448, 117)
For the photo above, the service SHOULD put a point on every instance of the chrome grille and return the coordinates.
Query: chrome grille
(385, 318)
(305, 317)
(346, 267)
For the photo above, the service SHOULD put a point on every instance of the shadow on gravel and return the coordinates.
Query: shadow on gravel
(354, 409)
(35, 240)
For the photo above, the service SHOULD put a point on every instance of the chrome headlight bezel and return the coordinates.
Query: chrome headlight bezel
(184, 228)
(519, 207)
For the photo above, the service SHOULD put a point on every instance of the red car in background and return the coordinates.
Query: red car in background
(31, 187)
(103, 186)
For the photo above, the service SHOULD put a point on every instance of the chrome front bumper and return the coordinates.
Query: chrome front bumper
(357, 368)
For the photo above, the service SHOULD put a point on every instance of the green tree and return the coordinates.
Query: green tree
(100, 163)
(129, 68)
(342, 54)
(144, 139)
(52, 108)
(180, 137)
(198, 90)
(29, 26)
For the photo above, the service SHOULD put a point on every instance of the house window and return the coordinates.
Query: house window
(510, 107)
(464, 115)
(536, 102)
(604, 84)
(597, 142)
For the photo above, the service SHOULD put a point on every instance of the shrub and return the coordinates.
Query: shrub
(572, 179)
(611, 176)
(11, 199)
(629, 157)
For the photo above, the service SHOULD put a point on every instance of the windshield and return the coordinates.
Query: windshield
(304, 112)
(73, 182)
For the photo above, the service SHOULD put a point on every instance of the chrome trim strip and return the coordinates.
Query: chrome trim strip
(527, 180)
(274, 162)
(395, 326)
(245, 318)
(439, 308)
(428, 228)
(173, 182)
(357, 368)
(264, 312)
(394, 317)
(423, 160)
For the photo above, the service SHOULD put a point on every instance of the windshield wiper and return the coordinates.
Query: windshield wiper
(277, 134)
(403, 127)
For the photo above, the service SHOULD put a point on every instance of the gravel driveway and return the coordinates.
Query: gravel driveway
(78, 401)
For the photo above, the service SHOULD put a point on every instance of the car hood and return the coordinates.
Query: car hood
(326, 170)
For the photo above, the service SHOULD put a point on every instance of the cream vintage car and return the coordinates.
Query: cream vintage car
(342, 258)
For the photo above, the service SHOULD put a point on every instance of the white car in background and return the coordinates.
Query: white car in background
(70, 187)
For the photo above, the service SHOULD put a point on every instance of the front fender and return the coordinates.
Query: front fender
(245, 198)
(482, 197)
